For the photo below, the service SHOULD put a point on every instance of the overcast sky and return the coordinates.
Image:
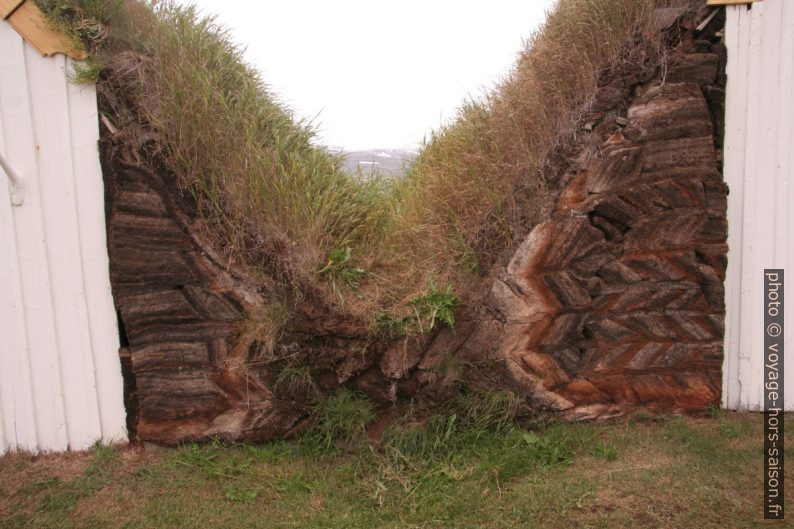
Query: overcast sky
(379, 74)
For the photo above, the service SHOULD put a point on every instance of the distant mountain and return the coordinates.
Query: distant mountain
(385, 161)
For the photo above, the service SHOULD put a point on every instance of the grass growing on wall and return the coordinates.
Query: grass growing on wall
(477, 185)
(285, 207)
(261, 183)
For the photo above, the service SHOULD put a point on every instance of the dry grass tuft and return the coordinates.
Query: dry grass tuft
(273, 199)
(284, 207)
(478, 185)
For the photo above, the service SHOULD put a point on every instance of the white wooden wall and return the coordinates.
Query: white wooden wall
(758, 167)
(60, 375)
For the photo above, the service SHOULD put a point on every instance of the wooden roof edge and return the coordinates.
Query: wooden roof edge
(729, 2)
(7, 7)
(29, 21)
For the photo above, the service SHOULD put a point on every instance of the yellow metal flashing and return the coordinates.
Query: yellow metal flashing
(28, 20)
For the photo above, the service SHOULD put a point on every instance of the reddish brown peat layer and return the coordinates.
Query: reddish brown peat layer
(614, 302)
(622, 286)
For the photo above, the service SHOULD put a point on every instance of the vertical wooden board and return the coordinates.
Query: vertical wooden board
(51, 125)
(2, 433)
(12, 325)
(752, 280)
(37, 282)
(769, 16)
(735, 123)
(758, 170)
(784, 221)
(9, 306)
(60, 375)
(37, 414)
(90, 197)
(738, 33)
(785, 90)
(13, 344)
(784, 233)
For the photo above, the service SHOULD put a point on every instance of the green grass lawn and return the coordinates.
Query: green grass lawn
(635, 473)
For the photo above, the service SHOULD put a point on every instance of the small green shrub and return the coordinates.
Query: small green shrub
(427, 310)
(338, 268)
(434, 306)
(339, 271)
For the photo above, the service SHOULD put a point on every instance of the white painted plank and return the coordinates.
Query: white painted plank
(758, 168)
(761, 173)
(51, 127)
(13, 345)
(3, 446)
(774, 95)
(16, 392)
(784, 222)
(757, 184)
(739, 202)
(733, 156)
(44, 425)
(788, 221)
(784, 91)
(9, 321)
(96, 275)
(748, 383)
(60, 374)
(11, 324)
